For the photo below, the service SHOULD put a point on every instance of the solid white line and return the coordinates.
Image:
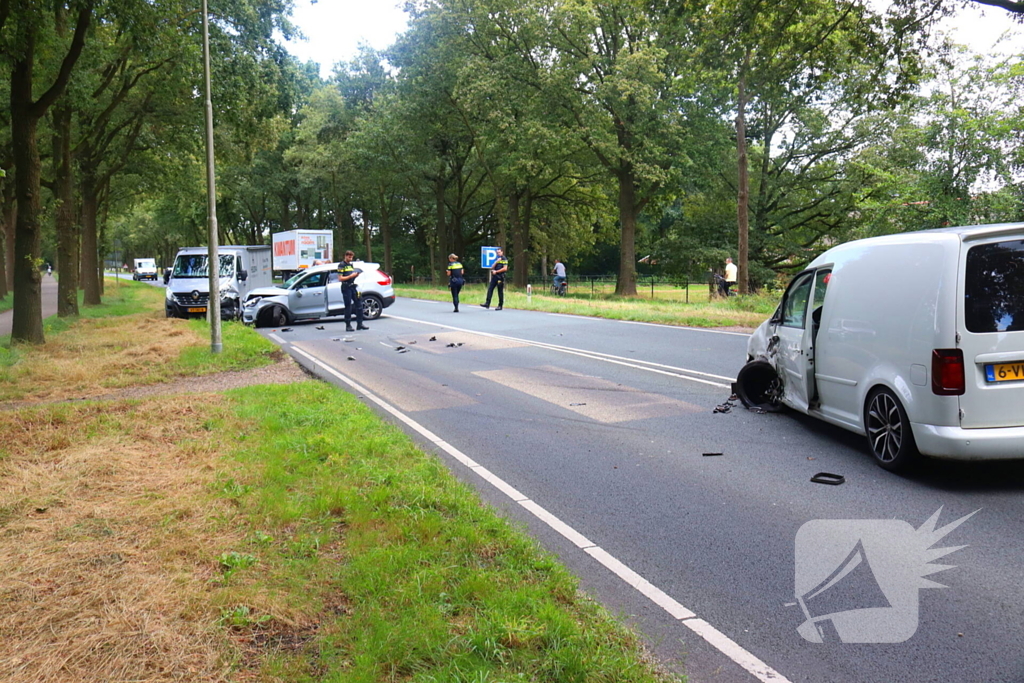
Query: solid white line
(713, 636)
(649, 366)
(275, 338)
(387, 345)
(681, 327)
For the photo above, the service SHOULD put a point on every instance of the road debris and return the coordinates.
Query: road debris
(319, 327)
(404, 351)
(450, 346)
(708, 455)
(412, 342)
(576, 404)
(828, 478)
(351, 357)
(286, 329)
(335, 338)
(724, 407)
(432, 339)
(399, 348)
(350, 339)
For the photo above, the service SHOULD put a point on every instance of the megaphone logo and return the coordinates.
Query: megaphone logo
(857, 580)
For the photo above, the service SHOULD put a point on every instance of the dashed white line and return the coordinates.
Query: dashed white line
(713, 636)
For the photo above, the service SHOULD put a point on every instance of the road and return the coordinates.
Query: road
(605, 426)
(48, 293)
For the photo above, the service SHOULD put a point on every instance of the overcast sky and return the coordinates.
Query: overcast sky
(334, 29)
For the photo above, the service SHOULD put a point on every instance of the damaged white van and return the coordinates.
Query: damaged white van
(915, 340)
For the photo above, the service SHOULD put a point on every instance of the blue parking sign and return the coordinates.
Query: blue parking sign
(488, 255)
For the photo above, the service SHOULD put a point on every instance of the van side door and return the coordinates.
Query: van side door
(797, 329)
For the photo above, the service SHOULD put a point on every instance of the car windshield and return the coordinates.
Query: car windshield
(194, 265)
(994, 287)
(290, 282)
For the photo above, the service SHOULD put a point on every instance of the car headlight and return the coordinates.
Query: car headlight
(250, 303)
(168, 294)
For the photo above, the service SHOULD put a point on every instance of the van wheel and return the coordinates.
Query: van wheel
(888, 430)
(758, 386)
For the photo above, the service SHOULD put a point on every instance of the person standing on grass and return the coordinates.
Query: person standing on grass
(730, 275)
(455, 279)
(347, 274)
(498, 271)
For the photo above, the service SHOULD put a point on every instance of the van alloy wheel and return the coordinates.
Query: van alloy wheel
(888, 430)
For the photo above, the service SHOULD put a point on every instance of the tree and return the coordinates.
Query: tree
(24, 29)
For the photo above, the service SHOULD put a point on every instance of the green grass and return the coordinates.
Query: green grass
(739, 311)
(433, 586)
(243, 349)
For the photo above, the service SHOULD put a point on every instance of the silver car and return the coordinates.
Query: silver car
(316, 293)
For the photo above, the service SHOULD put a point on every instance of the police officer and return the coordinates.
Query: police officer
(455, 278)
(347, 274)
(498, 271)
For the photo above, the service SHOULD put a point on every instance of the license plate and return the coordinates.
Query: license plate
(1004, 372)
(201, 309)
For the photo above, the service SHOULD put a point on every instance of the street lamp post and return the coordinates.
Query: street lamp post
(213, 261)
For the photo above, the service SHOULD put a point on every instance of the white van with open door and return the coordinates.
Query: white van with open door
(915, 340)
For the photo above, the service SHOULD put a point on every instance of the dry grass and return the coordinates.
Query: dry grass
(99, 354)
(109, 535)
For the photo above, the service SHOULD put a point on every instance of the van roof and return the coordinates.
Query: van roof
(963, 233)
(203, 250)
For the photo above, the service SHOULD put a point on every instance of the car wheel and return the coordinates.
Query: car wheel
(272, 316)
(758, 386)
(888, 430)
(372, 307)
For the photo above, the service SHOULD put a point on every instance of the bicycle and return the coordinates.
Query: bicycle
(560, 288)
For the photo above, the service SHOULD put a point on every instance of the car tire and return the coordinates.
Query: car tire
(272, 316)
(372, 306)
(888, 431)
(758, 386)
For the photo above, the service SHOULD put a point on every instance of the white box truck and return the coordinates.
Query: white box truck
(297, 250)
(242, 269)
(145, 269)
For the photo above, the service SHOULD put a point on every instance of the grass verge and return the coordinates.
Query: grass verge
(270, 533)
(124, 342)
(746, 311)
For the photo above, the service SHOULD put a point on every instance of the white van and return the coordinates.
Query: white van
(242, 269)
(915, 340)
(145, 269)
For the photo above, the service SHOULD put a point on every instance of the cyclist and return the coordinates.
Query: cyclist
(559, 273)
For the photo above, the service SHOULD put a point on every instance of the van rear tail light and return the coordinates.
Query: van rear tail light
(948, 372)
(383, 278)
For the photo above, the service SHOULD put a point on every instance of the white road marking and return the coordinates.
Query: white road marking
(637, 364)
(713, 636)
(276, 338)
(387, 345)
(681, 327)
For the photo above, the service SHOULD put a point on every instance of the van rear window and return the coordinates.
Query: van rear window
(994, 287)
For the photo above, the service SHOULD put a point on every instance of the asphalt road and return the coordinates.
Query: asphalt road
(605, 425)
(48, 295)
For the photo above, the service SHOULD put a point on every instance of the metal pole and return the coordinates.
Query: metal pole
(213, 305)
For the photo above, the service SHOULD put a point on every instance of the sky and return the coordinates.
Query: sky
(334, 29)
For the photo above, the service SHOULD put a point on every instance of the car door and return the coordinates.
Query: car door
(306, 299)
(795, 330)
(335, 303)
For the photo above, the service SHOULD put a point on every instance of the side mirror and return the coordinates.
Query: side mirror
(243, 275)
(167, 276)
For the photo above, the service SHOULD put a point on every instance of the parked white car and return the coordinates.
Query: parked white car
(315, 293)
(915, 340)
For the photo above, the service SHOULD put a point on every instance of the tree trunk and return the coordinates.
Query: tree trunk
(385, 231)
(520, 217)
(90, 245)
(743, 185)
(6, 218)
(366, 236)
(626, 284)
(67, 233)
(442, 230)
(27, 324)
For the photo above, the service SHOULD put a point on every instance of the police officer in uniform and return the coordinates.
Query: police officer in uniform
(347, 274)
(455, 278)
(498, 271)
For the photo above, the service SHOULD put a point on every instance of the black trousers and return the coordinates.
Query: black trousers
(351, 297)
(498, 282)
(455, 293)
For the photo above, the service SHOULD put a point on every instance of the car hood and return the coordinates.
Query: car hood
(268, 291)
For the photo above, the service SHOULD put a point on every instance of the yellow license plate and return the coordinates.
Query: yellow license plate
(197, 310)
(1004, 372)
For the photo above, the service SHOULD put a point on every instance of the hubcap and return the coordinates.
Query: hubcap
(885, 427)
(371, 309)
